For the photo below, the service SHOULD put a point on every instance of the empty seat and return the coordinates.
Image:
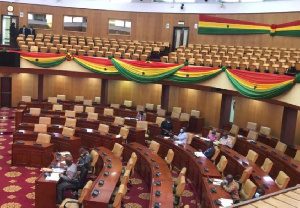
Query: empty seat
(69, 113)
(70, 122)
(267, 166)
(68, 131)
(78, 108)
(108, 112)
(117, 150)
(44, 120)
(35, 111)
(252, 156)
(42, 128)
(265, 130)
(252, 135)
(251, 126)
(143, 125)
(119, 120)
(169, 158)
(234, 129)
(92, 116)
(195, 113)
(246, 174)
(89, 109)
(154, 146)
(88, 102)
(297, 156)
(79, 98)
(222, 164)
(176, 109)
(248, 190)
(282, 180)
(184, 117)
(52, 100)
(57, 107)
(115, 105)
(103, 128)
(26, 98)
(43, 138)
(161, 112)
(175, 115)
(124, 133)
(61, 97)
(97, 100)
(281, 147)
(149, 106)
(128, 103)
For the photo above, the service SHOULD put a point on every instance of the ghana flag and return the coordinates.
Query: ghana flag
(286, 29)
(222, 26)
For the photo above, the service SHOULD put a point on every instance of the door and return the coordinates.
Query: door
(6, 91)
(6, 22)
(180, 37)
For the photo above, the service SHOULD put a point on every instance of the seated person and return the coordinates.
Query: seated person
(212, 137)
(182, 136)
(166, 127)
(226, 141)
(232, 187)
(68, 180)
(84, 160)
(140, 116)
(209, 153)
(259, 192)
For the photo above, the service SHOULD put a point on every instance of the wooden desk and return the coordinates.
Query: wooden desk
(106, 190)
(72, 144)
(28, 154)
(146, 168)
(281, 161)
(196, 124)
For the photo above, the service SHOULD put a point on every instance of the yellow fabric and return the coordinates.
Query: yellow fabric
(232, 26)
(195, 74)
(98, 67)
(267, 166)
(43, 59)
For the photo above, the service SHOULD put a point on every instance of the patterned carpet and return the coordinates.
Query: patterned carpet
(18, 186)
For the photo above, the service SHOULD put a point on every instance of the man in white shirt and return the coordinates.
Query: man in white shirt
(182, 136)
(226, 141)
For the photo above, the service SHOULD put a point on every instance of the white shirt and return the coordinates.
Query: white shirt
(182, 137)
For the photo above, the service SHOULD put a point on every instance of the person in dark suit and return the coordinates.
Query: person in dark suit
(31, 31)
(166, 127)
(209, 153)
(23, 30)
(13, 34)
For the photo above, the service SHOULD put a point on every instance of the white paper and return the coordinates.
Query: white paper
(226, 202)
(57, 170)
(166, 137)
(205, 139)
(128, 118)
(118, 136)
(63, 162)
(199, 154)
(217, 183)
(65, 153)
(53, 177)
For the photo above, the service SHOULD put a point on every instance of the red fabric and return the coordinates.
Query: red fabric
(208, 18)
(102, 61)
(197, 69)
(260, 78)
(289, 24)
(38, 55)
(144, 64)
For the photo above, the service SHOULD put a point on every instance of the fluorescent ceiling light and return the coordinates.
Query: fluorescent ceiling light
(120, 1)
(251, 0)
(230, 1)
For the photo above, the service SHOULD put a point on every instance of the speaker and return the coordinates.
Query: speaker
(9, 59)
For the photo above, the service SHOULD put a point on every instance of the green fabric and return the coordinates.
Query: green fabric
(295, 33)
(48, 64)
(141, 78)
(297, 78)
(258, 94)
(94, 70)
(229, 31)
(190, 80)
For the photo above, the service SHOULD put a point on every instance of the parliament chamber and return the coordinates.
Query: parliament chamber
(150, 103)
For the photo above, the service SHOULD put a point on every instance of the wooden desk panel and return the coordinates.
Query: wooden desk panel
(196, 124)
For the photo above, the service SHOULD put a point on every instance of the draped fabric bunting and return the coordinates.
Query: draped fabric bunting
(190, 75)
(145, 72)
(221, 26)
(286, 29)
(259, 85)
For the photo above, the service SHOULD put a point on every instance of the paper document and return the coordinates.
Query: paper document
(53, 177)
(226, 202)
(166, 137)
(65, 153)
(205, 139)
(199, 154)
(57, 170)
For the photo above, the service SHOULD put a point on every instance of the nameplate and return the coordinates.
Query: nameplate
(295, 166)
(103, 153)
(158, 183)
(274, 153)
(252, 142)
(85, 130)
(213, 190)
(155, 124)
(146, 154)
(51, 134)
(156, 166)
(95, 121)
(95, 192)
(131, 128)
(106, 173)
(262, 135)
(210, 127)
(274, 139)
(27, 114)
(291, 145)
(130, 144)
(244, 163)
(139, 149)
(120, 125)
(57, 110)
(70, 117)
(35, 132)
(157, 174)
(42, 114)
(217, 202)
(109, 165)
(101, 182)
(200, 162)
(19, 132)
(37, 144)
(236, 157)
(108, 160)
(55, 126)
(205, 169)
(108, 123)
(24, 124)
(20, 143)
(263, 147)
(209, 180)
(96, 132)
(82, 119)
(227, 151)
(265, 186)
(66, 137)
(283, 158)
(108, 135)
(257, 177)
(157, 193)
(56, 116)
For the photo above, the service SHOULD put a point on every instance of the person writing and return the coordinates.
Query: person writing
(84, 160)
(68, 180)
(182, 136)
(232, 187)
(226, 141)
(166, 127)
(140, 116)
(209, 153)
(212, 137)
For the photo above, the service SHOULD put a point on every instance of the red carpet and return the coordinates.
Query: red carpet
(17, 183)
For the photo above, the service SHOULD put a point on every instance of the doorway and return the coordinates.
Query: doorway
(6, 22)
(231, 118)
(180, 37)
(6, 83)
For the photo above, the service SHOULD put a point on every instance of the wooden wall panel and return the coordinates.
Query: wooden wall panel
(71, 86)
(140, 94)
(262, 113)
(152, 26)
(208, 103)
(297, 134)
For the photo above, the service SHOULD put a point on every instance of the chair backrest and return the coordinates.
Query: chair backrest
(161, 112)
(190, 137)
(176, 109)
(79, 98)
(142, 125)
(252, 135)
(297, 156)
(159, 120)
(78, 108)
(222, 163)
(158, 107)
(118, 197)
(95, 155)
(234, 129)
(265, 130)
(281, 147)
(175, 115)
(267, 166)
(85, 191)
(68, 131)
(42, 128)
(98, 100)
(217, 152)
(134, 159)
(88, 102)
(182, 173)
(70, 122)
(124, 132)
(195, 113)
(154, 146)
(233, 139)
(113, 105)
(103, 128)
(252, 156)
(108, 112)
(181, 186)
(44, 120)
(170, 156)
(282, 180)
(69, 113)
(90, 109)
(57, 107)
(119, 120)
(61, 97)
(149, 106)
(26, 98)
(118, 150)
(140, 108)
(93, 116)
(35, 111)
(184, 117)
(251, 126)
(125, 178)
(128, 103)
(248, 190)
(43, 138)
(52, 100)
(246, 174)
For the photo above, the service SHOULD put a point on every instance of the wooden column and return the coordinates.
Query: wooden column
(40, 87)
(225, 110)
(104, 92)
(288, 125)
(165, 97)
